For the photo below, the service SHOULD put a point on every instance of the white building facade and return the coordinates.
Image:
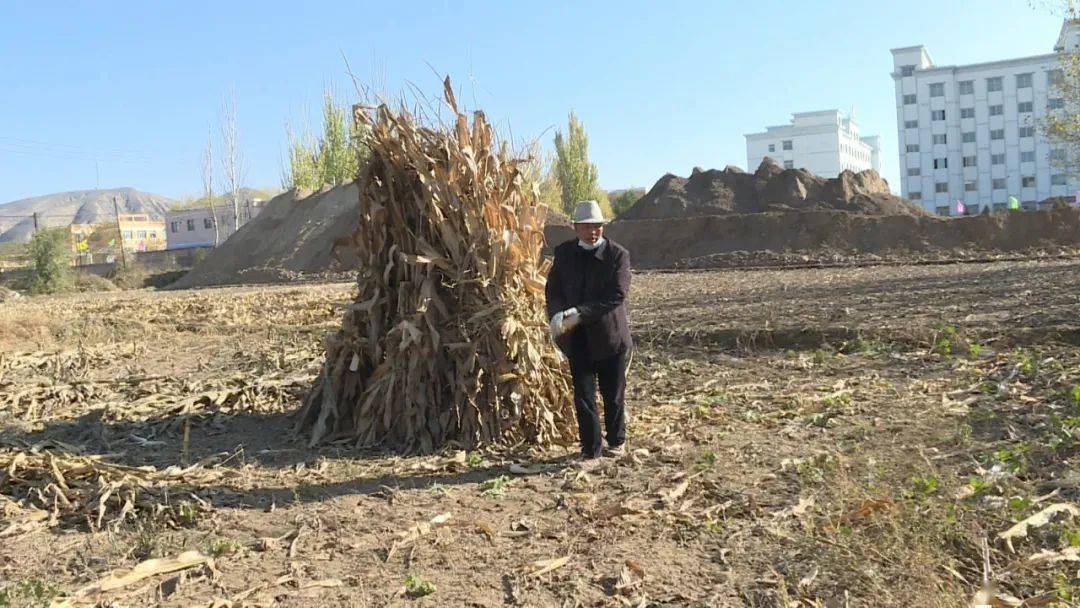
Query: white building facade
(194, 227)
(824, 143)
(971, 133)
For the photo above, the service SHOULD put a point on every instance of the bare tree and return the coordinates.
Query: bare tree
(208, 183)
(231, 160)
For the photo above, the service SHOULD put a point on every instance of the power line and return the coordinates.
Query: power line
(63, 155)
(69, 148)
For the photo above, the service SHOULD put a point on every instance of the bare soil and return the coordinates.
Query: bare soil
(822, 437)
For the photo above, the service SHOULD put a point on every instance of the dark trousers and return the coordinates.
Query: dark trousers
(610, 375)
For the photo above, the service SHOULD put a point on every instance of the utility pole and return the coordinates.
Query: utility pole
(119, 233)
(35, 223)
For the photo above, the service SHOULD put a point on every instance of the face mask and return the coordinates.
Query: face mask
(593, 247)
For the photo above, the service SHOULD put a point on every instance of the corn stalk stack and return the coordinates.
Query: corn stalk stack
(446, 342)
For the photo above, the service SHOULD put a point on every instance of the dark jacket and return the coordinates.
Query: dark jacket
(596, 283)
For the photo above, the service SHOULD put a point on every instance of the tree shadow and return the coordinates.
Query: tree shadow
(237, 440)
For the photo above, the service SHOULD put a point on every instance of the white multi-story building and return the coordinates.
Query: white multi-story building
(971, 133)
(824, 143)
(194, 227)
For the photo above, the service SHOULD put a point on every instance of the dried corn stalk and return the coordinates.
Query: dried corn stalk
(90, 488)
(446, 341)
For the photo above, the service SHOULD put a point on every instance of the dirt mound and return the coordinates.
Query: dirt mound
(770, 188)
(692, 241)
(294, 236)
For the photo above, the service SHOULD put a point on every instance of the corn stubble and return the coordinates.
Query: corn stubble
(446, 341)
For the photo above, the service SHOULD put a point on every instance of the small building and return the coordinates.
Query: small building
(194, 227)
(972, 133)
(824, 143)
(139, 232)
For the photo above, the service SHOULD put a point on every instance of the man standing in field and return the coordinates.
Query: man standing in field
(586, 302)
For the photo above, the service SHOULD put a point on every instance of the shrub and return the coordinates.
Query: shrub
(50, 253)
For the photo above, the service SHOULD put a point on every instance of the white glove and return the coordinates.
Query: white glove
(570, 319)
(556, 325)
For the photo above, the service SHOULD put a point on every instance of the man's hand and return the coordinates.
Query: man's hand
(564, 322)
(556, 325)
(570, 319)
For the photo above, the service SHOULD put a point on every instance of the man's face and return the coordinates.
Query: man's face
(589, 233)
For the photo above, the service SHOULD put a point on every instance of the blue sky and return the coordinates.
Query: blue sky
(661, 86)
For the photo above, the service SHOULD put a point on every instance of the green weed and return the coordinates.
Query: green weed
(706, 461)
(495, 488)
(222, 546)
(31, 593)
(418, 587)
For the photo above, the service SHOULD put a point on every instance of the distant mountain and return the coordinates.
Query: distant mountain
(82, 206)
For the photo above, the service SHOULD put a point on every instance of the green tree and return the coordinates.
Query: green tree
(50, 251)
(1061, 127)
(332, 159)
(303, 172)
(626, 199)
(578, 178)
(338, 162)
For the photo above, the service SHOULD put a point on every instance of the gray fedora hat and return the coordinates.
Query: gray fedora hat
(588, 212)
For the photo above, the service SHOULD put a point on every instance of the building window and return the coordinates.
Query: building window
(789, 164)
(968, 138)
(1055, 77)
(1026, 132)
(937, 89)
(1024, 106)
(786, 144)
(944, 210)
(967, 112)
(997, 110)
(997, 159)
(140, 234)
(1055, 103)
(190, 225)
(998, 183)
(911, 124)
(912, 147)
(907, 70)
(993, 84)
(940, 187)
(127, 235)
(967, 87)
(939, 138)
(1023, 81)
(915, 196)
(969, 161)
(207, 223)
(1027, 157)
(997, 134)
(941, 163)
(1057, 154)
(913, 171)
(970, 187)
(772, 147)
(1058, 180)
(153, 235)
(937, 115)
(909, 100)
(1027, 181)
(175, 225)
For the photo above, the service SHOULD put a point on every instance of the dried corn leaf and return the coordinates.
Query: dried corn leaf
(544, 566)
(1020, 529)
